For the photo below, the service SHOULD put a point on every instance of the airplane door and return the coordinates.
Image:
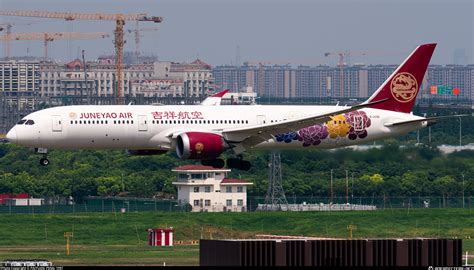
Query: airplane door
(56, 123)
(142, 123)
(261, 119)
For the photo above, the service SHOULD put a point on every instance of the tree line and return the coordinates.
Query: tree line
(391, 169)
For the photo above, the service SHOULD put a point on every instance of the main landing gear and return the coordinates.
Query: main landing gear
(232, 163)
(44, 161)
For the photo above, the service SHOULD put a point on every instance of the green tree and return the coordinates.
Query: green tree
(108, 185)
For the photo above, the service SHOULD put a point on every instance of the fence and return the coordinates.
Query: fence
(100, 204)
(382, 202)
(118, 204)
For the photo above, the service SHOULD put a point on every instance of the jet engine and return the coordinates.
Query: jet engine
(200, 145)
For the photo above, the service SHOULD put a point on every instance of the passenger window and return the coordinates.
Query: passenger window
(128, 122)
(30, 122)
(101, 121)
(75, 122)
(80, 121)
(21, 122)
(132, 122)
(72, 122)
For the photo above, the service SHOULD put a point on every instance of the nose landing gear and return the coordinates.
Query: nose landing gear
(44, 161)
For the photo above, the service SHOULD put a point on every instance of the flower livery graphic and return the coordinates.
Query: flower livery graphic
(359, 122)
(313, 135)
(353, 125)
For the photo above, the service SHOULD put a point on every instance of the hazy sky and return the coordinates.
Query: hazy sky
(297, 31)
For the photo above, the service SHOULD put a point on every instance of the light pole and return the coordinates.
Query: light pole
(352, 189)
(347, 187)
(331, 189)
(460, 137)
(462, 174)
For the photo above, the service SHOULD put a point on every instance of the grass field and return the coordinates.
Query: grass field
(120, 239)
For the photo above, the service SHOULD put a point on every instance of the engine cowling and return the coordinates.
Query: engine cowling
(200, 145)
(146, 152)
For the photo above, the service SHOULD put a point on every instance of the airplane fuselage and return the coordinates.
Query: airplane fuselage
(143, 127)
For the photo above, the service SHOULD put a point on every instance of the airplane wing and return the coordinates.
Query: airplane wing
(253, 135)
(430, 120)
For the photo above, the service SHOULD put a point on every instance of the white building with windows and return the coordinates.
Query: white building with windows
(208, 189)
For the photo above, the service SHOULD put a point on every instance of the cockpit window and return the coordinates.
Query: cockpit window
(21, 122)
(30, 122)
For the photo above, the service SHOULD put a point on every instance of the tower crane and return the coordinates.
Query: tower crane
(136, 32)
(119, 42)
(8, 28)
(341, 65)
(48, 37)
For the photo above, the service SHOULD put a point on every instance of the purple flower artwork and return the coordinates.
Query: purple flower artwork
(313, 135)
(355, 122)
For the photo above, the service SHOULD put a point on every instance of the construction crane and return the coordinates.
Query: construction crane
(119, 42)
(341, 64)
(136, 32)
(48, 37)
(8, 28)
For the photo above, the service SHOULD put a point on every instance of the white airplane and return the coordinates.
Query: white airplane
(201, 132)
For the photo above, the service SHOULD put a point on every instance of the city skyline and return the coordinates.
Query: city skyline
(282, 31)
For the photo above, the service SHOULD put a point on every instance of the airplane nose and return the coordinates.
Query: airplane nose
(11, 135)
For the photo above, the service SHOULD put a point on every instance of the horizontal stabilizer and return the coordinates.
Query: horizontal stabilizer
(429, 120)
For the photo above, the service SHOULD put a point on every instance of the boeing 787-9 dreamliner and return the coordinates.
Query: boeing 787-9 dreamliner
(203, 132)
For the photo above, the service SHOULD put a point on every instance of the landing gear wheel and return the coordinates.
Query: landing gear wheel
(215, 163)
(44, 162)
(246, 165)
(206, 162)
(218, 163)
(239, 164)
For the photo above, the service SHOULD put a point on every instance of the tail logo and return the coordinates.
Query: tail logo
(404, 87)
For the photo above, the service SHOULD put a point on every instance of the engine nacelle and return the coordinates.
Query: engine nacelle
(200, 145)
(146, 152)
